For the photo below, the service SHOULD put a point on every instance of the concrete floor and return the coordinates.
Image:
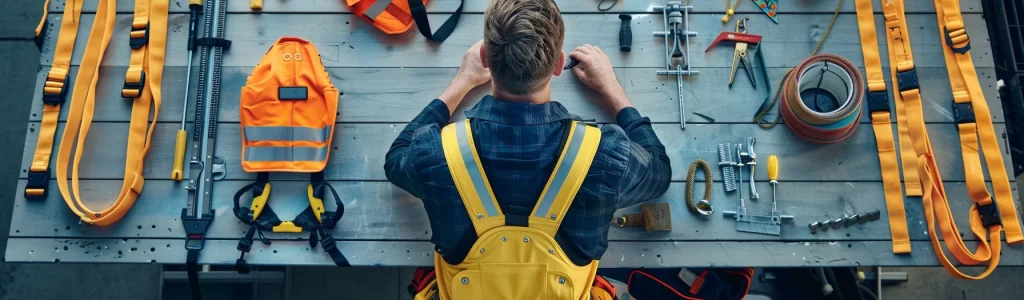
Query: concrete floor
(18, 18)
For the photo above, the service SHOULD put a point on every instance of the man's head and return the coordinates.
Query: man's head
(523, 44)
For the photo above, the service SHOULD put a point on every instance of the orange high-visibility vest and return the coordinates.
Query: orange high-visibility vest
(288, 109)
(397, 16)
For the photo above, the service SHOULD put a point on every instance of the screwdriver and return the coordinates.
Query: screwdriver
(773, 176)
(194, 6)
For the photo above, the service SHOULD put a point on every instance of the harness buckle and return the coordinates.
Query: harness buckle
(907, 80)
(38, 182)
(56, 98)
(139, 37)
(949, 41)
(878, 101)
(327, 240)
(134, 86)
(963, 113)
(989, 215)
(195, 229)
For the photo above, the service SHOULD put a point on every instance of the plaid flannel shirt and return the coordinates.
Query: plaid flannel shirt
(518, 144)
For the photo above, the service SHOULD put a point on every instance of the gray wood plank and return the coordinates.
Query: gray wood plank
(359, 150)
(347, 41)
(365, 100)
(566, 6)
(381, 211)
(375, 253)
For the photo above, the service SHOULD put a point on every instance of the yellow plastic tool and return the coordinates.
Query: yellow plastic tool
(773, 169)
(194, 6)
(256, 4)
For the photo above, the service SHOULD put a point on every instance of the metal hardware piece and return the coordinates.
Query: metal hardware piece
(726, 164)
(676, 18)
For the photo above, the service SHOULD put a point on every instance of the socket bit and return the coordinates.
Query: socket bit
(814, 227)
(837, 223)
(825, 225)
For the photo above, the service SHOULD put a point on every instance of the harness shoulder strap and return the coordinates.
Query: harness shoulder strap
(419, 13)
(470, 179)
(565, 181)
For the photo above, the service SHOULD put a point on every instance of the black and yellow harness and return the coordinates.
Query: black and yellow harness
(315, 218)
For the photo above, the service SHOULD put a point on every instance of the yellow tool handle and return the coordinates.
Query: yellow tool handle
(195, 2)
(773, 167)
(179, 155)
(255, 4)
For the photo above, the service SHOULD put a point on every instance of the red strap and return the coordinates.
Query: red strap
(659, 282)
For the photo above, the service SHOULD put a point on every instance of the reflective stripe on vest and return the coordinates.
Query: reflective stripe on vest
(289, 154)
(287, 133)
(983, 215)
(54, 94)
(145, 107)
(878, 105)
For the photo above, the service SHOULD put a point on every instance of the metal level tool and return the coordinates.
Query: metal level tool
(770, 224)
(204, 166)
(677, 32)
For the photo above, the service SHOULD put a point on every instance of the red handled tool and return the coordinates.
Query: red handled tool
(742, 40)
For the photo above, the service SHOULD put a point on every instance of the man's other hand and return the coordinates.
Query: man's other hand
(472, 70)
(595, 71)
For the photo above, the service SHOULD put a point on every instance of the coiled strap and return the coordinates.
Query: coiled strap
(708, 185)
(813, 125)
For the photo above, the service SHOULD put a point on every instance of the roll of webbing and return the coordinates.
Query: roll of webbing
(811, 93)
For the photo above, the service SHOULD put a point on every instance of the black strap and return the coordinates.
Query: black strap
(419, 13)
(191, 260)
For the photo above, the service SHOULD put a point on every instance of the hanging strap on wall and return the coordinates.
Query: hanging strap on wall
(55, 92)
(984, 215)
(878, 105)
(150, 47)
(419, 13)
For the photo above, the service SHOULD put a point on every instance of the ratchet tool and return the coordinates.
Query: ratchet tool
(743, 42)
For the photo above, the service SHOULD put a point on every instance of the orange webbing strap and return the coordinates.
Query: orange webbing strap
(968, 95)
(878, 103)
(54, 92)
(42, 22)
(936, 205)
(140, 130)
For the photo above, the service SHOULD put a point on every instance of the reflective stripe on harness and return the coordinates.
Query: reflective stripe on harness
(878, 105)
(140, 130)
(55, 91)
(984, 216)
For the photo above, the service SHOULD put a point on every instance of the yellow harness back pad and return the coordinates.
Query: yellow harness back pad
(507, 260)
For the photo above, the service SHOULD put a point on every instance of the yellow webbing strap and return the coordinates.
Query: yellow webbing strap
(83, 104)
(54, 93)
(559, 192)
(46, 13)
(936, 205)
(880, 123)
(567, 177)
(966, 89)
(469, 177)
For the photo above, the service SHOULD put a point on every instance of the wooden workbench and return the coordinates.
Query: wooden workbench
(386, 80)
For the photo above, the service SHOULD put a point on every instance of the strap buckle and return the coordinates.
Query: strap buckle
(136, 87)
(989, 215)
(59, 97)
(878, 101)
(195, 229)
(907, 80)
(139, 37)
(963, 113)
(949, 40)
(38, 182)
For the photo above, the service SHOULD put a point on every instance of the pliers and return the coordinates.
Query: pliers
(739, 55)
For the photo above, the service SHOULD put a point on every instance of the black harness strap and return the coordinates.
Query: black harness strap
(419, 13)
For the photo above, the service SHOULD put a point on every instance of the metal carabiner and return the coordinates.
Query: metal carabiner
(741, 25)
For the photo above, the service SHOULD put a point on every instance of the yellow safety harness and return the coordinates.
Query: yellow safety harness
(142, 87)
(54, 93)
(516, 256)
(973, 121)
(878, 105)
